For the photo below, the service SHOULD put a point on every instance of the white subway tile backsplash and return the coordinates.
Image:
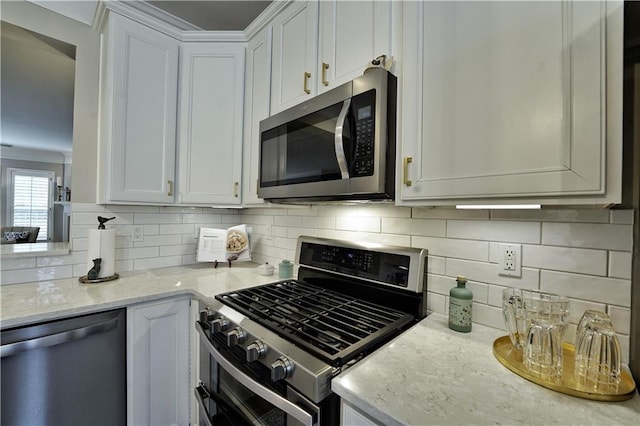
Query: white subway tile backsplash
(18, 263)
(515, 232)
(582, 253)
(357, 223)
(35, 274)
(620, 264)
(159, 240)
(291, 221)
(624, 348)
(448, 247)
(156, 218)
(177, 229)
(602, 236)
(577, 308)
(177, 250)
(587, 287)
(593, 262)
(621, 318)
(488, 273)
(425, 227)
(559, 215)
(435, 265)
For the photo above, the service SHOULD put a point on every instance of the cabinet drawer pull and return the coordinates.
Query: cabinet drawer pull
(307, 76)
(405, 171)
(170, 193)
(325, 67)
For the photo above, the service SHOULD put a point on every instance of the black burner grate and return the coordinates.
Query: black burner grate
(333, 326)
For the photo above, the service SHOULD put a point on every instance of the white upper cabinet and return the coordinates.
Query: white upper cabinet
(511, 101)
(138, 117)
(352, 33)
(210, 123)
(295, 46)
(257, 100)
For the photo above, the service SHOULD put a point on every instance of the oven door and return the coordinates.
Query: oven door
(229, 394)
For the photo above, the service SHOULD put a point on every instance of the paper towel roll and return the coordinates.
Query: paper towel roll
(102, 243)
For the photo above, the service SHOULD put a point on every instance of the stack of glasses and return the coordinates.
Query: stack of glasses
(537, 322)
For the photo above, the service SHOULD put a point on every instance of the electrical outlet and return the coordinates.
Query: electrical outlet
(137, 233)
(510, 258)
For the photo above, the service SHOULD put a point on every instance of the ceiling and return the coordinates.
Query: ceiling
(215, 15)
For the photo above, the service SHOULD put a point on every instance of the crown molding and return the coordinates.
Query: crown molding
(219, 36)
(265, 17)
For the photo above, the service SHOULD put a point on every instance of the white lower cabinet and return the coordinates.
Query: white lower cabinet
(159, 346)
(351, 416)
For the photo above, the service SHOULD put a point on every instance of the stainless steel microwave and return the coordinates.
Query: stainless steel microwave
(339, 145)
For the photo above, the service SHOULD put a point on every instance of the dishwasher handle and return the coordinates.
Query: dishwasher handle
(57, 338)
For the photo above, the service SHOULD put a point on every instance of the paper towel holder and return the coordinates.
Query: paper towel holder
(103, 220)
(92, 275)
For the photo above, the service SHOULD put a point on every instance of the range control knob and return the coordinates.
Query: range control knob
(235, 336)
(205, 314)
(281, 369)
(219, 324)
(256, 351)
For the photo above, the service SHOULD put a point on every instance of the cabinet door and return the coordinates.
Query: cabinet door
(143, 69)
(503, 99)
(352, 33)
(158, 351)
(295, 41)
(256, 108)
(351, 416)
(210, 138)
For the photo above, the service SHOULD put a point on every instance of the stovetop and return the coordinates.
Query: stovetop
(332, 326)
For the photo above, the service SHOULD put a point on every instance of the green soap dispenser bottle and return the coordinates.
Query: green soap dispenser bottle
(460, 306)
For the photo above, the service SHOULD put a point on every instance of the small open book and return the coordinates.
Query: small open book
(224, 244)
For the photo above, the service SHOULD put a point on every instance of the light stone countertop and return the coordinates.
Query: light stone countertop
(433, 375)
(10, 251)
(28, 303)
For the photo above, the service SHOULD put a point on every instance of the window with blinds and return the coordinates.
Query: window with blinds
(31, 198)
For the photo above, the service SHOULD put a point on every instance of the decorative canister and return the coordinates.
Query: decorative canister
(285, 269)
(460, 306)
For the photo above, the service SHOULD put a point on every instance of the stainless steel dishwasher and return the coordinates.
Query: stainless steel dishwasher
(65, 372)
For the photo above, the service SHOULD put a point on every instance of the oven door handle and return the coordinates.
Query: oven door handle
(202, 394)
(273, 398)
(339, 140)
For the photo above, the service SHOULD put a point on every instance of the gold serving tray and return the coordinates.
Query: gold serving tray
(512, 359)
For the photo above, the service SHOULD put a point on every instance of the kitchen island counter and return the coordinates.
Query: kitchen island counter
(433, 375)
(29, 303)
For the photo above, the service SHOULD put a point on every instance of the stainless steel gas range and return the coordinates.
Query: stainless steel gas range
(268, 353)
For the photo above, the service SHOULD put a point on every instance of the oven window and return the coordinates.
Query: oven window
(237, 405)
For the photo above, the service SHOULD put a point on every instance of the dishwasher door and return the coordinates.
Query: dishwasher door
(65, 372)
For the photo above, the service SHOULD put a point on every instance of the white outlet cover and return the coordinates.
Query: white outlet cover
(504, 258)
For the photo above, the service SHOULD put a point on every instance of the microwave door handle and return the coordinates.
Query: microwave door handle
(273, 398)
(339, 141)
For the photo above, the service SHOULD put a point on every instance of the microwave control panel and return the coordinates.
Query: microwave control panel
(364, 114)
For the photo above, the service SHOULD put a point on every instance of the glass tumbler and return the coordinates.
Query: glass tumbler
(514, 315)
(542, 354)
(597, 362)
(548, 307)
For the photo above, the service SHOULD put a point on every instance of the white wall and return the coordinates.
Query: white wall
(85, 117)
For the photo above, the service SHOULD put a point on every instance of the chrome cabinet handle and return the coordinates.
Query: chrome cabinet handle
(339, 141)
(57, 338)
(202, 394)
(405, 171)
(235, 189)
(306, 89)
(325, 67)
(282, 403)
(170, 193)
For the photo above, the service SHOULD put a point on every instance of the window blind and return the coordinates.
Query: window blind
(31, 202)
